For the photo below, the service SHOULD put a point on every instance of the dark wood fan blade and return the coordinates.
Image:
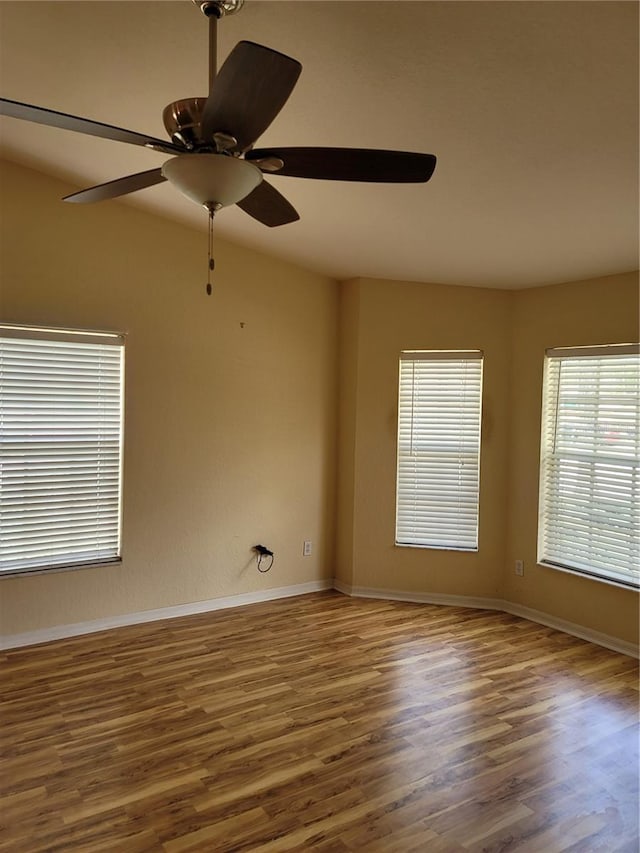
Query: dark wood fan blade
(251, 88)
(268, 206)
(350, 164)
(121, 186)
(40, 115)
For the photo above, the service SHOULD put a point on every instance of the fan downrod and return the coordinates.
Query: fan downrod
(219, 8)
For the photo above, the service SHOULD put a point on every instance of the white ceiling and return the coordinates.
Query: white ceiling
(531, 108)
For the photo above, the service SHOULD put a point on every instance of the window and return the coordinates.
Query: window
(61, 406)
(590, 472)
(438, 478)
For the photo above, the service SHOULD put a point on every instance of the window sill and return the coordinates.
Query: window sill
(49, 570)
(437, 547)
(581, 573)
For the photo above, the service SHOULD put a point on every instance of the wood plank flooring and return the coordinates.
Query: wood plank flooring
(321, 723)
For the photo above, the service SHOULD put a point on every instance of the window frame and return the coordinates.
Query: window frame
(57, 335)
(548, 433)
(474, 355)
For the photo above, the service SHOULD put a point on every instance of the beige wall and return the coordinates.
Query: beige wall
(599, 311)
(513, 328)
(395, 316)
(347, 408)
(230, 431)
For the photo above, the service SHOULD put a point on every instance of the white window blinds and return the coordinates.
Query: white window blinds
(438, 477)
(60, 448)
(590, 472)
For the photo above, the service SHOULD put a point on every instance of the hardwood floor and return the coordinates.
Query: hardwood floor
(321, 723)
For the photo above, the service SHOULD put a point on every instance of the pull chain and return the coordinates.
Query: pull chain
(212, 263)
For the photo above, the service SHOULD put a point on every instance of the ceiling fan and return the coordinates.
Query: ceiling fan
(214, 162)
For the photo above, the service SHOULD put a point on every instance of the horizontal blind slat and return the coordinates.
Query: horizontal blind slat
(61, 442)
(439, 409)
(590, 471)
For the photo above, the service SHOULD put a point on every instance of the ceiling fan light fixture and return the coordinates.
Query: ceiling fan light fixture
(212, 179)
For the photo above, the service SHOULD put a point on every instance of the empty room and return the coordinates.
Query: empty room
(319, 426)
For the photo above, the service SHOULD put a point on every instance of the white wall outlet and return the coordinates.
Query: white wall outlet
(520, 567)
(306, 548)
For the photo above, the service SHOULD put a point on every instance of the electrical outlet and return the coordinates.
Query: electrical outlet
(520, 568)
(306, 548)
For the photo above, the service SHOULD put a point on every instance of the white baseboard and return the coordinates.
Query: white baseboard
(419, 597)
(60, 632)
(514, 609)
(572, 628)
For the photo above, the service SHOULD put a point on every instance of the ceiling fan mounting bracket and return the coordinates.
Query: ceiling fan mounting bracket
(219, 8)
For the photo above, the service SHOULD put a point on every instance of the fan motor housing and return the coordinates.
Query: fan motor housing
(182, 121)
